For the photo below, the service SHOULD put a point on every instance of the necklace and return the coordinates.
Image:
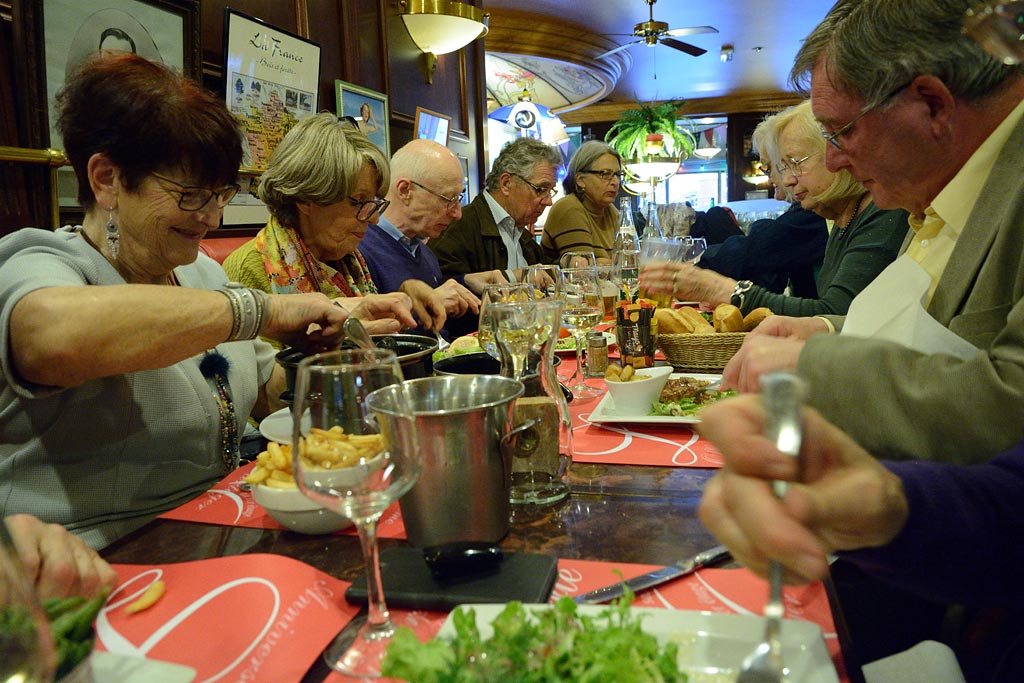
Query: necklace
(856, 209)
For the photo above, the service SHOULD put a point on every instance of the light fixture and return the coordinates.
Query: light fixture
(441, 26)
(756, 176)
(707, 146)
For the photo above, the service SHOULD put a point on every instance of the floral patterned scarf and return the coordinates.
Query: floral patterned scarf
(292, 268)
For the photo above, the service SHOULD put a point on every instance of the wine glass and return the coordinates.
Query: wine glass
(355, 462)
(546, 280)
(26, 649)
(583, 309)
(503, 293)
(695, 248)
(578, 259)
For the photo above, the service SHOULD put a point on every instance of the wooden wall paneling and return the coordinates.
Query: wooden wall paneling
(362, 45)
(324, 22)
(740, 128)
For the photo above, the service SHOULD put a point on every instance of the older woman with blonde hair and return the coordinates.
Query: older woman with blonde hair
(322, 186)
(863, 239)
(585, 219)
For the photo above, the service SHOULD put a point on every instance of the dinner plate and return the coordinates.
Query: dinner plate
(107, 666)
(608, 337)
(278, 426)
(605, 410)
(711, 645)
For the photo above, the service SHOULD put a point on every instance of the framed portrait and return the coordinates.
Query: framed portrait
(55, 36)
(271, 80)
(369, 109)
(430, 125)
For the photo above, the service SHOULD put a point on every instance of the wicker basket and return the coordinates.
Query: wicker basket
(700, 352)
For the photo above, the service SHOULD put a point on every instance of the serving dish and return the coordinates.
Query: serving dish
(606, 411)
(278, 426)
(711, 645)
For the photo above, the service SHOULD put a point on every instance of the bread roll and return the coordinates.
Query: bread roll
(698, 323)
(728, 318)
(670, 323)
(754, 318)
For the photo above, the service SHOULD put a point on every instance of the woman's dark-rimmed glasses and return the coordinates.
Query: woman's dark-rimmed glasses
(607, 174)
(195, 198)
(366, 210)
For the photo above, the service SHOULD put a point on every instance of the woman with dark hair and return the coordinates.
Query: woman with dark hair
(130, 365)
(585, 219)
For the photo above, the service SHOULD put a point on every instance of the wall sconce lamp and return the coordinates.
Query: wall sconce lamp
(707, 144)
(441, 26)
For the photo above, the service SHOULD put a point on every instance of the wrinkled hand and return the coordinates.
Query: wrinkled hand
(58, 563)
(845, 499)
(760, 355)
(385, 313)
(687, 282)
(310, 322)
(477, 281)
(427, 304)
(792, 328)
(457, 299)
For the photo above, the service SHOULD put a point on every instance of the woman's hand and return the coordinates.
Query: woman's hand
(58, 563)
(845, 499)
(687, 282)
(385, 313)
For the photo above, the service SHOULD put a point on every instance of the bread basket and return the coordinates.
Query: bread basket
(700, 352)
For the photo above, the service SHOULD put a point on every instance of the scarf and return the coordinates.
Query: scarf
(292, 268)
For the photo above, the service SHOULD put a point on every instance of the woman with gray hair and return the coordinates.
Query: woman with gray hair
(585, 219)
(863, 239)
(321, 186)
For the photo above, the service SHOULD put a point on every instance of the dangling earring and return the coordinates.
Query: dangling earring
(112, 234)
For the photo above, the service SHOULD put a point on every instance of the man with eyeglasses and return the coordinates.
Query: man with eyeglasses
(492, 238)
(425, 196)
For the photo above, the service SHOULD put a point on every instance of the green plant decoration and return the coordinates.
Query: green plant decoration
(628, 135)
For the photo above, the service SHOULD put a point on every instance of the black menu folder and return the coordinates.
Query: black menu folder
(409, 583)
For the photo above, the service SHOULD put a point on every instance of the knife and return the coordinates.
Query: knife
(659, 576)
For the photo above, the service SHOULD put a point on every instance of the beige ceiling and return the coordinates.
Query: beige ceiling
(764, 34)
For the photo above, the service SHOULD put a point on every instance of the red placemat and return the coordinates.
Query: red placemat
(227, 504)
(266, 618)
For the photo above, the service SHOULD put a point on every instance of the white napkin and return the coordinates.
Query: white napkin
(891, 308)
(927, 661)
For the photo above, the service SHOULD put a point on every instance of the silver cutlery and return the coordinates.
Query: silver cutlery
(715, 555)
(781, 395)
(357, 334)
(442, 343)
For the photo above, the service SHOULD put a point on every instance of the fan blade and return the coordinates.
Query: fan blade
(685, 47)
(620, 47)
(690, 31)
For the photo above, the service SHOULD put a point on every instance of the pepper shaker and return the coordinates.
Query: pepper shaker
(597, 354)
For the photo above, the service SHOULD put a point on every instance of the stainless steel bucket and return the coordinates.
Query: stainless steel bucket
(464, 423)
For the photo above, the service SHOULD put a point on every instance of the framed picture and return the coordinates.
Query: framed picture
(369, 109)
(55, 36)
(271, 80)
(432, 126)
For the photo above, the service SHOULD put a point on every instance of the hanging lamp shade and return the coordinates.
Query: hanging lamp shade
(442, 26)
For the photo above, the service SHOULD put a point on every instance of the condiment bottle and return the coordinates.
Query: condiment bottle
(597, 354)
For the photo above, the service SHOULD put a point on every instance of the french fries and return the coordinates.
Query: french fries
(328, 449)
(615, 373)
(148, 599)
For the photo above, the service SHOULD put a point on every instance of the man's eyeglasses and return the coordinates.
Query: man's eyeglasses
(450, 202)
(833, 138)
(794, 166)
(367, 210)
(607, 175)
(541, 191)
(193, 198)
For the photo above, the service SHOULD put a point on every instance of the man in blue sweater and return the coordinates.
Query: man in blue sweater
(425, 194)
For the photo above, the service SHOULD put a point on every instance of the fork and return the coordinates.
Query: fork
(442, 343)
(781, 394)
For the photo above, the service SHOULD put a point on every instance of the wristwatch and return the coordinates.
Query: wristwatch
(742, 287)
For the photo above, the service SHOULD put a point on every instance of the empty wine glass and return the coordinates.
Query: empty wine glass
(583, 309)
(26, 650)
(503, 293)
(578, 259)
(546, 280)
(356, 461)
(696, 246)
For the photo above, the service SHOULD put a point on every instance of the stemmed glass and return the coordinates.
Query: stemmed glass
(26, 649)
(578, 259)
(696, 246)
(583, 310)
(546, 280)
(514, 327)
(503, 293)
(356, 461)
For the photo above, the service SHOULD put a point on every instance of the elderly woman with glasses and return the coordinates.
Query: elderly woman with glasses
(585, 219)
(321, 186)
(130, 364)
(863, 239)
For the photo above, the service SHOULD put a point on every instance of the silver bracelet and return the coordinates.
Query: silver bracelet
(248, 310)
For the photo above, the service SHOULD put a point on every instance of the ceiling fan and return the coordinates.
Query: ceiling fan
(653, 32)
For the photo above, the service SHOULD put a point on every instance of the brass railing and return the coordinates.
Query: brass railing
(54, 158)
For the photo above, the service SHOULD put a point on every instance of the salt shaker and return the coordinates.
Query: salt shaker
(597, 354)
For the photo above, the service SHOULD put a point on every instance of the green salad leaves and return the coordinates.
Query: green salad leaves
(553, 645)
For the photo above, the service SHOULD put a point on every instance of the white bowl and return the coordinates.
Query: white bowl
(636, 396)
(294, 511)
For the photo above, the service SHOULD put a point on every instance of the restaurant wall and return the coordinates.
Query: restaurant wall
(363, 42)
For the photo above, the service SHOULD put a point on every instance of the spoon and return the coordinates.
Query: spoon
(781, 395)
(355, 332)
